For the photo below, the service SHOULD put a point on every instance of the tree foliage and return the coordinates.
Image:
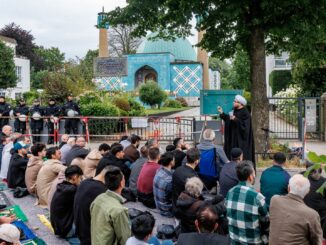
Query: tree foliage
(7, 67)
(121, 42)
(150, 93)
(224, 68)
(25, 42)
(257, 26)
(280, 80)
(51, 59)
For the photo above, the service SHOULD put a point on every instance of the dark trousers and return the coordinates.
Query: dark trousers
(36, 128)
(20, 127)
(147, 199)
(50, 132)
(71, 126)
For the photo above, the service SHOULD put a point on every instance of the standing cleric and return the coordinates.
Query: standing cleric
(52, 113)
(4, 112)
(21, 113)
(37, 113)
(71, 110)
(238, 129)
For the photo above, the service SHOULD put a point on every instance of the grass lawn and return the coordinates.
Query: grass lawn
(164, 109)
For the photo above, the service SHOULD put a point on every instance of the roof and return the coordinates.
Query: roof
(181, 48)
(8, 39)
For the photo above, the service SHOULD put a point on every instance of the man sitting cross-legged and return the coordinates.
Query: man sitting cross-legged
(206, 225)
(62, 205)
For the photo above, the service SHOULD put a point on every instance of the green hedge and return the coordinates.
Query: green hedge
(99, 109)
(172, 103)
(280, 80)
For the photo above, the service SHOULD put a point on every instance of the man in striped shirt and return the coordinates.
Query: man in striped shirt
(246, 209)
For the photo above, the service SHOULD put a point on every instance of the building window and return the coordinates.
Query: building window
(18, 96)
(19, 74)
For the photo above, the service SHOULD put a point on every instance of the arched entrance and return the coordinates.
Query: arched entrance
(144, 74)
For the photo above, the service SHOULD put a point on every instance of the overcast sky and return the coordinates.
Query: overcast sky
(66, 24)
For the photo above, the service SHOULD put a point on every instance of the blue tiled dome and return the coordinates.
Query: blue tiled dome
(181, 48)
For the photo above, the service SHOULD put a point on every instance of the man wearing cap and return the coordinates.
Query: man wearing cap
(36, 112)
(21, 112)
(228, 176)
(52, 112)
(238, 129)
(4, 112)
(71, 109)
(9, 235)
(17, 166)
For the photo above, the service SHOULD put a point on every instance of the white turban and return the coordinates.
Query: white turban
(241, 100)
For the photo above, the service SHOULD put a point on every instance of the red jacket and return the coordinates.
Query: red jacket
(146, 177)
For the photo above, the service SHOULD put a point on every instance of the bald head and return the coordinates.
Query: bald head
(299, 185)
(7, 130)
(64, 138)
(71, 141)
(81, 141)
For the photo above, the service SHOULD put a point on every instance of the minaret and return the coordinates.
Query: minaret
(202, 57)
(103, 38)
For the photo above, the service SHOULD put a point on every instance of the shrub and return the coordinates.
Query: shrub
(150, 93)
(30, 96)
(122, 103)
(172, 103)
(280, 80)
(136, 108)
(89, 97)
(182, 101)
(99, 109)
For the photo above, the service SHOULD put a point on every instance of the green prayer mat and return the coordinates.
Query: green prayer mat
(14, 210)
(35, 241)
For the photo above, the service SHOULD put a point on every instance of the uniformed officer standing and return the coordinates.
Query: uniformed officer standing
(4, 112)
(21, 112)
(52, 112)
(71, 109)
(37, 113)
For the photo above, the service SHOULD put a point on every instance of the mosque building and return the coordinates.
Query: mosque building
(174, 65)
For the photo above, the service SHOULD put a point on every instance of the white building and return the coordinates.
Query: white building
(273, 63)
(22, 71)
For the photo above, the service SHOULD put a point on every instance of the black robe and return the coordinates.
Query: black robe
(238, 133)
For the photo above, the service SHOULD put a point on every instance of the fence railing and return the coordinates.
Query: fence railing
(113, 128)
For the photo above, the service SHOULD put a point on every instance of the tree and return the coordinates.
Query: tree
(224, 68)
(25, 42)
(239, 77)
(7, 67)
(86, 64)
(121, 42)
(51, 58)
(256, 26)
(150, 93)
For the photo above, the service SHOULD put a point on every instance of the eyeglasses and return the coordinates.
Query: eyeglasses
(235, 101)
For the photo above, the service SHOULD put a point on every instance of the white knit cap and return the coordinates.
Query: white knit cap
(9, 233)
(241, 100)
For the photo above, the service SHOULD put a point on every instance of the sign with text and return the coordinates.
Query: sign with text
(110, 67)
(311, 115)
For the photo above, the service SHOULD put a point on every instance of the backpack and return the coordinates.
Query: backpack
(207, 164)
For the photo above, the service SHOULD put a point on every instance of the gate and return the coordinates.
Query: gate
(286, 117)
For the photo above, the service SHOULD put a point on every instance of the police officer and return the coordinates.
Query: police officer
(4, 112)
(52, 112)
(71, 109)
(21, 113)
(37, 113)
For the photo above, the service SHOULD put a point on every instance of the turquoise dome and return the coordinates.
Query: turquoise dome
(181, 48)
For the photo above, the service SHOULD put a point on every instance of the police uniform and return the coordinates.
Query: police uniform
(71, 124)
(36, 125)
(20, 126)
(4, 112)
(51, 111)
